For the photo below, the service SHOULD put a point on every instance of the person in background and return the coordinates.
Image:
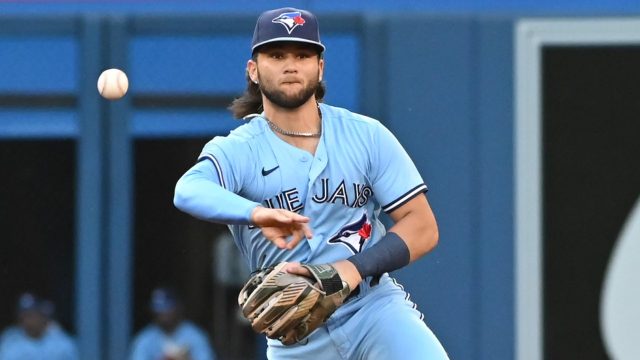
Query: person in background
(37, 336)
(170, 336)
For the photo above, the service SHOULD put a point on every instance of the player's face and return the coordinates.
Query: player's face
(168, 320)
(289, 74)
(33, 323)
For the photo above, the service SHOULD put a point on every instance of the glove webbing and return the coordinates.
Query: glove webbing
(327, 276)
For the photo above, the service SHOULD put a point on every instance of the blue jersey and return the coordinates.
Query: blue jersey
(359, 168)
(54, 344)
(152, 343)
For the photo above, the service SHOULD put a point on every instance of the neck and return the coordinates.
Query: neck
(303, 119)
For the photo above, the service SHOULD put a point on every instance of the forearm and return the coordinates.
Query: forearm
(199, 195)
(414, 234)
(419, 231)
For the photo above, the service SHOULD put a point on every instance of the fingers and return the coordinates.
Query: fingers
(291, 241)
(297, 218)
(285, 229)
(262, 216)
(300, 232)
(296, 268)
(306, 229)
(280, 242)
(296, 237)
(285, 217)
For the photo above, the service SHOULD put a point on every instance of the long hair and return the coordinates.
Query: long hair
(251, 101)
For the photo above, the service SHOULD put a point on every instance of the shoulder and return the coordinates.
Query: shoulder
(189, 328)
(57, 332)
(148, 333)
(62, 340)
(242, 137)
(13, 338)
(10, 332)
(343, 116)
(345, 121)
(344, 124)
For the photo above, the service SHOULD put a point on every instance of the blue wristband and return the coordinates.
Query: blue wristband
(389, 254)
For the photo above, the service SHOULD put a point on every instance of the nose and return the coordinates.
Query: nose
(290, 64)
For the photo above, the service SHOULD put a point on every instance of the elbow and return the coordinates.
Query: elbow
(434, 238)
(430, 239)
(178, 200)
(181, 198)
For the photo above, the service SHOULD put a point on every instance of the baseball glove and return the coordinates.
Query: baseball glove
(289, 307)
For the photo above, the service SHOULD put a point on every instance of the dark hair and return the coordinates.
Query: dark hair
(251, 101)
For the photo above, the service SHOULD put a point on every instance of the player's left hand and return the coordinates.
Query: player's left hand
(289, 307)
(345, 269)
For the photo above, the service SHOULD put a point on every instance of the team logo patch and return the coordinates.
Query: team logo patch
(353, 235)
(289, 20)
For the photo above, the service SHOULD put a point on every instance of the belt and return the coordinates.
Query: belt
(373, 281)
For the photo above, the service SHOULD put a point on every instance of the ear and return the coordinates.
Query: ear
(320, 69)
(252, 70)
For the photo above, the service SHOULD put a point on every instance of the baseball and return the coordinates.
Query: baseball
(113, 84)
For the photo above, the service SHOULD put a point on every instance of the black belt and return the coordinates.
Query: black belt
(375, 280)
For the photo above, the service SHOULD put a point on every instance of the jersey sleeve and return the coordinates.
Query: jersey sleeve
(229, 159)
(208, 190)
(395, 178)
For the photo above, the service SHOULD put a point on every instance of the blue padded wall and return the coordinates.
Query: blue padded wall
(443, 84)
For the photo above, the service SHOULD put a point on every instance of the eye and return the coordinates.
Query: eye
(306, 54)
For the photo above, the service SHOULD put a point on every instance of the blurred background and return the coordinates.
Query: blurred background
(522, 117)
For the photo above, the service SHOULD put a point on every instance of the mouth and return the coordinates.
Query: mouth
(290, 82)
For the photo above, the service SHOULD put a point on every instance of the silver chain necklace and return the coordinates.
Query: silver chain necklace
(278, 129)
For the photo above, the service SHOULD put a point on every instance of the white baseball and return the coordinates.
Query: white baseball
(113, 84)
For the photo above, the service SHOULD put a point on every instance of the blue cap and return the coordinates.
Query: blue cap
(30, 302)
(27, 302)
(163, 299)
(286, 24)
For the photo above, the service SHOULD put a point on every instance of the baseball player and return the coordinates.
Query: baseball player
(37, 335)
(303, 182)
(170, 336)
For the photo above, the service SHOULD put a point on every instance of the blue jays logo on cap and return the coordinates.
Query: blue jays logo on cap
(290, 20)
(163, 299)
(268, 29)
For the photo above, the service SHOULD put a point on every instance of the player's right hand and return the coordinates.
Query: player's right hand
(283, 228)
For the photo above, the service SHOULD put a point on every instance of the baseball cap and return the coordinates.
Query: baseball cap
(286, 24)
(163, 299)
(27, 302)
(30, 302)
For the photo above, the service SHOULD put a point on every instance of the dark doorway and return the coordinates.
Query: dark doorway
(176, 250)
(37, 205)
(591, 157)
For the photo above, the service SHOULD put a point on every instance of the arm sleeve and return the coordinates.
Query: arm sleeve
(201, 192)
(394, 176)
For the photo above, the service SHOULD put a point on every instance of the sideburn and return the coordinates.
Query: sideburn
(250, 102)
